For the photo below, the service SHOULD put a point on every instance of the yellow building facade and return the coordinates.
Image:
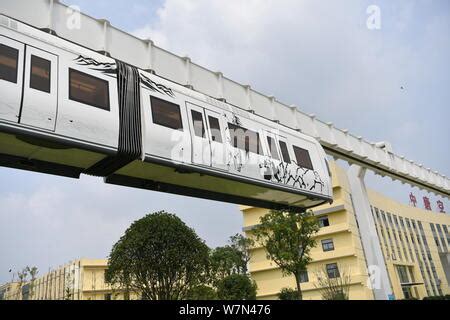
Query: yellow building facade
(339, 249)
(83, 279)
(415, 246)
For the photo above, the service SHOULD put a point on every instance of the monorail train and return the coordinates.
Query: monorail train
(68, 110)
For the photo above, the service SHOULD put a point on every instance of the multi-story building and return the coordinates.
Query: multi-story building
(10, 291)
(414, 243)
(415, 247)
(83, 279)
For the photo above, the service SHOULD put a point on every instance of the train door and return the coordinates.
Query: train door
(40, 89)
(216, 127)
(201, 148)
(11, 78)
(246, 154)
(272, 170)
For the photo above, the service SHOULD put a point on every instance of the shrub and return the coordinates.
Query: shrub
(288, 294)
(236, 287)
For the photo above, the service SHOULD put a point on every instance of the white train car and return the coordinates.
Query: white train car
(67, 110)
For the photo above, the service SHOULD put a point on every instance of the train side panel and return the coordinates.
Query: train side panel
(61, 112)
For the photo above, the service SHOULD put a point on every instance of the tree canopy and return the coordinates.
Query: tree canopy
(231, 259)
(236, 287)
(288, 294)
(160, 257)
(288, 237)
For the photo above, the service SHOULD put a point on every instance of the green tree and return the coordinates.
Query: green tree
(242, 245)
(230, 259)
(224, 261)
(236, 287)
(202, 292)
(33, 271)
(334, 286)
(288, 294)
(22, 277)
(288, 239)
(159, 257)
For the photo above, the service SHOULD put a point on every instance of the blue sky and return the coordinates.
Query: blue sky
(316, 54)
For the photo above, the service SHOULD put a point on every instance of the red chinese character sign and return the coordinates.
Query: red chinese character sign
(440, 206)
(412, 199)
(426, 203)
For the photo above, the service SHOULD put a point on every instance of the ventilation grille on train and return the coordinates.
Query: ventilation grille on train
(5, 21)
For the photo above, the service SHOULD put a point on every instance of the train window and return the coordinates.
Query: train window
(214, 125)
(40, 74)
(89, 90)
(273, 148)
(166, 114)
(303, 158)
(284, 152)
(199, 128)
(8, 63)
(245, 139)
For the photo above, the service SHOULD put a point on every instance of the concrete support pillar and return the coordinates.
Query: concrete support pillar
(378, 275)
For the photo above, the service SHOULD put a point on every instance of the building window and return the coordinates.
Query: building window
(327, 245)
(40, 74)
(304, 276)
(420, 226)
(214, 125)
(166, 114)
(323, 221)
(403, 274)
(332, 270)
(199, 128)
(87, 89)
(8, 63)
(447, 234)
(284, 152)
(437, 243)
(377, 213)
(395, 220)
(407, 292)
(407, 223)
(108, 296)
(441, 236)
(303, 158)
(245, 139)
(273, 148)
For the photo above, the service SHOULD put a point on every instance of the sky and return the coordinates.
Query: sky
(319, 55)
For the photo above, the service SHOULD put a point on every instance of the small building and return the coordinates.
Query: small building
(82, 279)
(10, 291)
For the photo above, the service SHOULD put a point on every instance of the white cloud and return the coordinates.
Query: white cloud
(320, 56)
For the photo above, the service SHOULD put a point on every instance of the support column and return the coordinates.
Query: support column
(378, 274)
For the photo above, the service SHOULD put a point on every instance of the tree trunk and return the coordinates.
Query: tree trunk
(299, 289)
